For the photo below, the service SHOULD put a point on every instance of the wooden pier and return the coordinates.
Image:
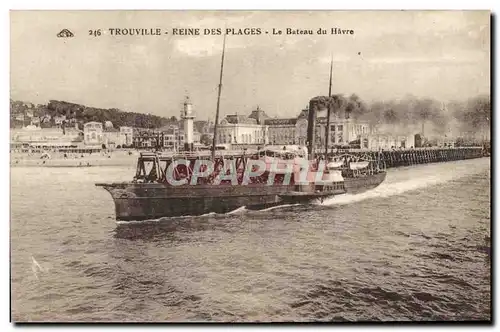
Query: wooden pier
(408, 157)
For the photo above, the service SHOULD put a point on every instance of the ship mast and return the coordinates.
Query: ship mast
(218, 98)
(327, 129)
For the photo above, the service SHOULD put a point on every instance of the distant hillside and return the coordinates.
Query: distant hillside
(81, 114)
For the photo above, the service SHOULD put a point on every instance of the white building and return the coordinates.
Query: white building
(240, 129)
(111, 137)
(93, 133)
(378, 141)
(170, 141)
(391, 136)
(294, 130)
(342, 131)
(46, 137)
(171, 137)
(282, 131)
(196, 137)
(127, 136)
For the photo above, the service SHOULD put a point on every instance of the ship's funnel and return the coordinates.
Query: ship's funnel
(315, 104)
(311, 129)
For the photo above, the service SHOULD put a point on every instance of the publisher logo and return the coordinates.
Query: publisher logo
(65, 33)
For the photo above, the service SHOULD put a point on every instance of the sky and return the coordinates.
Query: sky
(438, 54)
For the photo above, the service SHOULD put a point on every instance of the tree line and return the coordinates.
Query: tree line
(84, 114)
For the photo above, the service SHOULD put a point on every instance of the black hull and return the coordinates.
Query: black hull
(140, 201)
(154, 200)
(362, 184)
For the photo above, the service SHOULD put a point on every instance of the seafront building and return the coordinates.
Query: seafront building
(234, 130)
(284, 131)
(93, 133)
(46, 138)
(242, 130)
(258, 129)
(94, 136)
(112, 138)
(127, 136)
(168, 137)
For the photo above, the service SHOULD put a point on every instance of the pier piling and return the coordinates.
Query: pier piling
(408, 157)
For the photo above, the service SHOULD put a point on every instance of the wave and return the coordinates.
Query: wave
(162, 219)
(278, 207)
(203, 215)
(238, 210)
(400, 181)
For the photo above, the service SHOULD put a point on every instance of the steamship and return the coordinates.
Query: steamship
(168, 185)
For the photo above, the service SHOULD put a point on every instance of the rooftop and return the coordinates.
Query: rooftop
(259, 115)
(235, 119)
(278, 121)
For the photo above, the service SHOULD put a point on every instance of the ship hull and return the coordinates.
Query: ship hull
(359, 185)
(147, 201)
(152, 201)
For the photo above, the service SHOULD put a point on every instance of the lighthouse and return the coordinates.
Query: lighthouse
(188, 117)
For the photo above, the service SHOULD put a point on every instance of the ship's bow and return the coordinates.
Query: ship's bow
(125, 199)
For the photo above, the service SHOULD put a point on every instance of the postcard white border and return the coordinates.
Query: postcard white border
(186, 4)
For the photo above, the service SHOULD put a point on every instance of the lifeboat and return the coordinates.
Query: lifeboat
(359, 165)
(334, 164)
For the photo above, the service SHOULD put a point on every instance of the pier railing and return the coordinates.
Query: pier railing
(407, 157)
(392, 158)
(198, 154)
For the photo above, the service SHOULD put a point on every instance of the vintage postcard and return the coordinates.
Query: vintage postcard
(250, 166)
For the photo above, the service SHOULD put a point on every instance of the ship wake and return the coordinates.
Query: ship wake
(278, 207)
(403, 180)
(163, 219)
(238, 210)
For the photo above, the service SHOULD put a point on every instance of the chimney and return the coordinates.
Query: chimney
(311, 129)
